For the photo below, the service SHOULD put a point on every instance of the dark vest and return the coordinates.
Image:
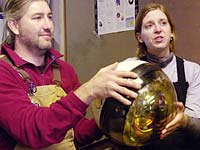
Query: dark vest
(181, 85)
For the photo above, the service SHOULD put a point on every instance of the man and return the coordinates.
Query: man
(41, 100)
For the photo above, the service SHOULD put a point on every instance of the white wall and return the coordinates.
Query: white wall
(1, 20)
(1, 27)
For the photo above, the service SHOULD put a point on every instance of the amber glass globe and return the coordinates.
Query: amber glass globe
(142, 121)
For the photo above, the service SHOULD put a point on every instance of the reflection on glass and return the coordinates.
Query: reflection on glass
(142, 122)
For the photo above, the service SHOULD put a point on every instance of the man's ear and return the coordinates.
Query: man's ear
(138, 37)
(13, 25)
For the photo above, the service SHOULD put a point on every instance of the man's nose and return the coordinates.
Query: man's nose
(47, 23)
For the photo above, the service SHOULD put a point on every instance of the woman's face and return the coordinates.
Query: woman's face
(156, 33)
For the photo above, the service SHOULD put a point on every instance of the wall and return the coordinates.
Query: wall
(1, 4)
(1, 20)
(88, 53)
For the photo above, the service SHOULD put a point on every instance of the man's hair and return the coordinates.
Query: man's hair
(138, 25)
(14, 9)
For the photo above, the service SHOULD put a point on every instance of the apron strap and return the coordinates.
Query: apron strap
(22, 73)
(56, 74)
(25, 76)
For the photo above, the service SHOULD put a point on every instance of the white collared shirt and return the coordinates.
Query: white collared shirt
(192, 75)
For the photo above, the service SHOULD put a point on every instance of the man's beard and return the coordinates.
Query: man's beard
(42, 44)
(36, 43)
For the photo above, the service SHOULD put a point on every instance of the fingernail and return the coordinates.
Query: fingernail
(128, 102)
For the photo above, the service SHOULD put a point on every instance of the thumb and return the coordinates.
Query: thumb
(180, 106)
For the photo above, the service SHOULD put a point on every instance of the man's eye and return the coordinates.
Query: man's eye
(50, 17)
(37, 18)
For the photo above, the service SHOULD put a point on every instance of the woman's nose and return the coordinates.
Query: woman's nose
(157, 28)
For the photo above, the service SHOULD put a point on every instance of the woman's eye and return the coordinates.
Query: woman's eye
(163, 22)
(148, 26)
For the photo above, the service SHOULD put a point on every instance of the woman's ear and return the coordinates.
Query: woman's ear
(138, 37)
(13, 25)
(171, 37)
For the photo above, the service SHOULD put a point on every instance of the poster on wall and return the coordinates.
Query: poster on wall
(1, 26)
(114, 16)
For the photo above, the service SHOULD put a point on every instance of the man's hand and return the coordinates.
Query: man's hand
(109, 82)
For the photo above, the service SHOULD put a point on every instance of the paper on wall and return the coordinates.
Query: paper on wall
(115, 16)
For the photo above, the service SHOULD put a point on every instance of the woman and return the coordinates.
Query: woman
(155, 34)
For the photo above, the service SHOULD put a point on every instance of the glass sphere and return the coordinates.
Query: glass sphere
(142, 121)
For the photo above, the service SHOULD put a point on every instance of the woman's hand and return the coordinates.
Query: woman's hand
(180, 121)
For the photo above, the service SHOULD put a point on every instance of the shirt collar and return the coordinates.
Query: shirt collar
(18, 61)
(162, 62)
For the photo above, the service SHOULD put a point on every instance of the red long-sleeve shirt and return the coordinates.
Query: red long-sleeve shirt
(21, 121)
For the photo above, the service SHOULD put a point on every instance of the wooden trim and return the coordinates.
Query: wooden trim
(63, 28)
